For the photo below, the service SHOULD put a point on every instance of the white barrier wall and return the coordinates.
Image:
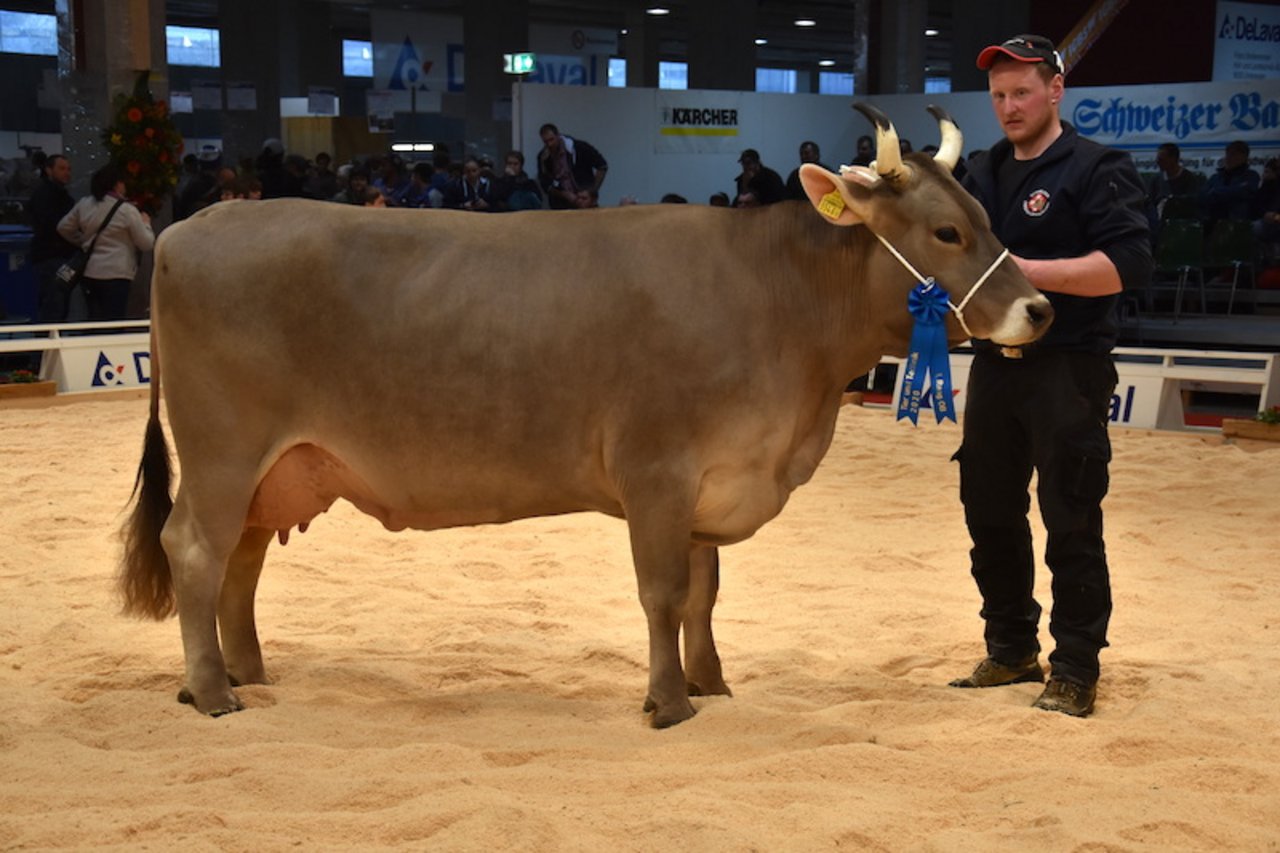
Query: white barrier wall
(86, 356)
(627, 125)
(1151, 383)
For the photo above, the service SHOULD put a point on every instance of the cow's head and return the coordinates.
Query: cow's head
(915, 206)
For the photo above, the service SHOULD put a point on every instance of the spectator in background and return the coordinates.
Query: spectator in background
(673, 198)
(471, 191)
(442, 163)
(393, 182)
(570, 170)
(419, 193)
(757, 183)
(114, 262)
(1229, 193)
(202, 190)
(514, 189)
(357, 183)
(719, 200)
(48, 204)
(1171, 181)
(321, 181)
(809, 153)
(269, 168)
(866, 152)
(190, 174)
(1266, 212)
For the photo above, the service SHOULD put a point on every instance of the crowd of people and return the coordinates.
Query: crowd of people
(1235, 192)
(569, 174)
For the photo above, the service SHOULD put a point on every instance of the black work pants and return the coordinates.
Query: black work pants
(1047, 413)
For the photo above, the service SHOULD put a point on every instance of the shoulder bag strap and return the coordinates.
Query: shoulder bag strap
(98, 233)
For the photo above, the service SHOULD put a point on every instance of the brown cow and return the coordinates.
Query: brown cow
(679, 367)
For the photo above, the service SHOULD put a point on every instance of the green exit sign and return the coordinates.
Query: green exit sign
(519, 63)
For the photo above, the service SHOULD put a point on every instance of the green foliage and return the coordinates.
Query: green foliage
(145, 145)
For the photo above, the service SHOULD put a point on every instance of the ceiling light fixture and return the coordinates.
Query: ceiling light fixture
(826, 63)
(762, 41)
(931, 32)
(657, 10)
(806, 22)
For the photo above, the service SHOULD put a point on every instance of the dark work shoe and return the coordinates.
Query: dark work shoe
(1067, 697)
(992, 673)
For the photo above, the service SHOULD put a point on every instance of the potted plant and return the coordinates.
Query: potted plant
(24, 383)
(1266, 426)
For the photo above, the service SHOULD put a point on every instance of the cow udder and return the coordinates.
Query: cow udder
(304, 482)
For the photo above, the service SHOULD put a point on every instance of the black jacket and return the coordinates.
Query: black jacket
(45, 209)
(584, 162)
(1078, 197)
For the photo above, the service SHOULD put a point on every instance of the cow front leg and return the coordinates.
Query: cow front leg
(236, 620)
(701, 661)
(661, 552)
(198, 568)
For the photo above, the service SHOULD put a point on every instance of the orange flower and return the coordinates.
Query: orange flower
(134, 114)
(164, 156)
(134, 167)
(150, 132)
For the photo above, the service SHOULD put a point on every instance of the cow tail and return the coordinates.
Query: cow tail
(146, 582)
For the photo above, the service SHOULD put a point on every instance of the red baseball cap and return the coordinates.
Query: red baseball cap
(1024, 48)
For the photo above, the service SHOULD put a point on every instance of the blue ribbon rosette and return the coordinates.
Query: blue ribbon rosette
(927, 365)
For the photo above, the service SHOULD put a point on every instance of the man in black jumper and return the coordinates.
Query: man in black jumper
(1071, 213)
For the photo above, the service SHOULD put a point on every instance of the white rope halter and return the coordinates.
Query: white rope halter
(958, 310)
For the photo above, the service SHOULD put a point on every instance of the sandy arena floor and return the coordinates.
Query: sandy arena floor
(480, 689)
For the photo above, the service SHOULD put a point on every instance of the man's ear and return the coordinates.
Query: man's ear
(834, 195)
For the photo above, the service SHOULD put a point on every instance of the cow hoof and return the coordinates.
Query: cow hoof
(664, 718)
(228, 704)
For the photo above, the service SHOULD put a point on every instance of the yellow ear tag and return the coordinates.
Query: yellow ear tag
(831, 205)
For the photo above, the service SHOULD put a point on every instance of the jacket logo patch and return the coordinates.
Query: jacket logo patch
(1036, 203)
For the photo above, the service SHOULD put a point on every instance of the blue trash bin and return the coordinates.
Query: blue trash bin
(19, 291)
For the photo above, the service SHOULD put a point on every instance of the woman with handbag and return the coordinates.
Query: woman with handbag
(111, 232)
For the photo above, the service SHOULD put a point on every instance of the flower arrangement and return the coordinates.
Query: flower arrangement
(1270, 416)
(144, 143)
(18, 377)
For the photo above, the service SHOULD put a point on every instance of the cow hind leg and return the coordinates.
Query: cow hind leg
(701, 661)
(660, 547)
(198, 557)
(236, 620)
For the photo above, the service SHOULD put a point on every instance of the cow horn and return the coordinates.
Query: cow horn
(952, 139)
(888, 155)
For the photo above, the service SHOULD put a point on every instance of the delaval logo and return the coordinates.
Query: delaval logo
(1248, 29)
(409, 68)
(109, 374)
(1121, 409)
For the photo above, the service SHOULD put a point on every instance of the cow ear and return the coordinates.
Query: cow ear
(833, 195)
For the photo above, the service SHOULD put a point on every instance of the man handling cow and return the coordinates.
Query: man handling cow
(1071, 212)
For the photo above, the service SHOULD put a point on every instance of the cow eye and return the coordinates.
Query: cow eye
(947, 235)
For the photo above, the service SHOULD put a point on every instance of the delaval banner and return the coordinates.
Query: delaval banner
(1136, 402)
(416, 58)
(419, 57)
(1247, 42)
(100, 362)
